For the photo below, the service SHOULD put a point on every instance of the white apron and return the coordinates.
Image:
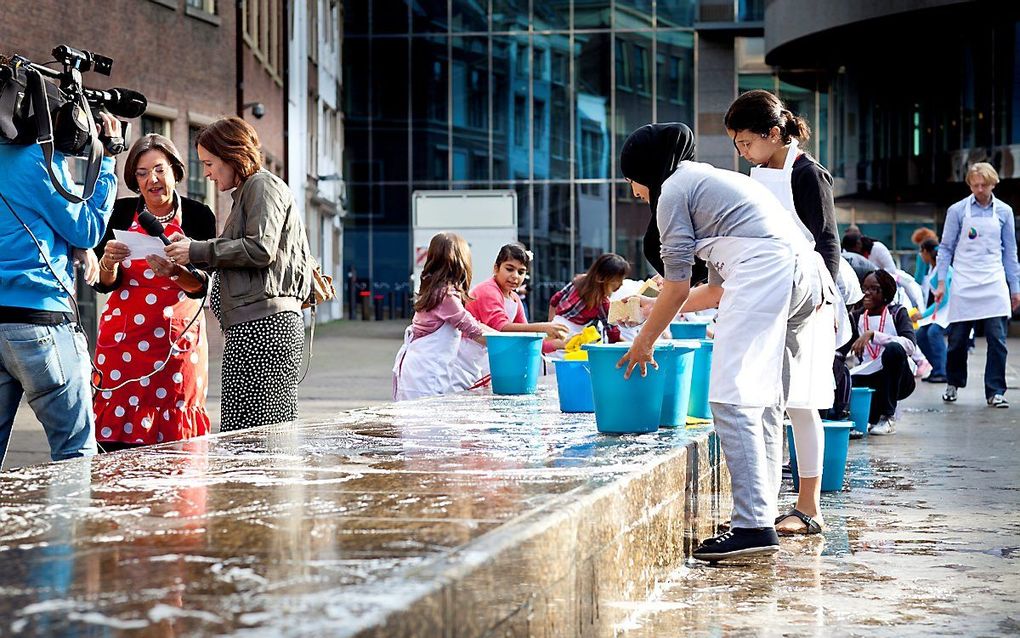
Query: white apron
(750, 329)
(811, 381)
(979, 278)
(422, 365)
(470, 369)
(872, 356)
(940, 316)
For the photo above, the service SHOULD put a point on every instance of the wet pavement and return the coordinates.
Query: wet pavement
(925, 542)
(485, 516)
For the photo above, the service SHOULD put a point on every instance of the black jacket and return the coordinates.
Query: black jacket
(197, 221)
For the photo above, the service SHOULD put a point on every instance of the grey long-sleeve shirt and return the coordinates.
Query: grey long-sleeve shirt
(699, 201)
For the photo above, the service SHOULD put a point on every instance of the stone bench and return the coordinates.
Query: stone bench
(464, 515)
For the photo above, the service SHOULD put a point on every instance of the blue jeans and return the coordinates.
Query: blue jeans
(995, 363)
(932, 341)
(50, 366)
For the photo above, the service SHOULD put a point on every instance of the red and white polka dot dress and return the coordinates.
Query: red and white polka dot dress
(141, 331)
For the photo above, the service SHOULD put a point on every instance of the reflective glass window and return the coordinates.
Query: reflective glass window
(469, 15)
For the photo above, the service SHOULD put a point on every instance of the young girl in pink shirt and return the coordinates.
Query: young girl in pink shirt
(497, 305)
(423, 364)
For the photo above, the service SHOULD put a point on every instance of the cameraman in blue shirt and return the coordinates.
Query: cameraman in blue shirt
(43, 355)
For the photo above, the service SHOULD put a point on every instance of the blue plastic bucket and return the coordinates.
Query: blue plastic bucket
(573, 384)
(860, 408)
(631, 406)
(678, 364)
(689, 329)
(837, 443)
(699, 407)
(515, 359)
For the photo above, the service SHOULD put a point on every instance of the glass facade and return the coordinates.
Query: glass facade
(508, 94)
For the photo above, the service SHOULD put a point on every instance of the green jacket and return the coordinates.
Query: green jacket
(261, 256)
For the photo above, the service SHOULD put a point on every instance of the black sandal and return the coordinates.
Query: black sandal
(812, 526)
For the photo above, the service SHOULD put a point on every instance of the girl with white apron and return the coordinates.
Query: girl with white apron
(422, 365)
(762, 129)
(427, 362)
(811, 383)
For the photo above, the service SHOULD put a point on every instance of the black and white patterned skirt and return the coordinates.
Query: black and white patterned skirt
(261, 367)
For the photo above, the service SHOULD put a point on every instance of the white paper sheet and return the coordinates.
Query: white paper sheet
(140, 245)
(869, 367)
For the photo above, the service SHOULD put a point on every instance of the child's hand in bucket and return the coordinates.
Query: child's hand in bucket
(638, 355)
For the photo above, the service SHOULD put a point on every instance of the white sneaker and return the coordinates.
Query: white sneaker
(885, 425)
(950, 393)
(998, 401)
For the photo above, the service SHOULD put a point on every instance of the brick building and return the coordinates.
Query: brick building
(184, 56)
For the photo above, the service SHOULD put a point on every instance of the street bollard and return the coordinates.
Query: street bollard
(377, 299)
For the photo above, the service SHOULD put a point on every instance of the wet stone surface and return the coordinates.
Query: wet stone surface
(454, 509)
(925, 542)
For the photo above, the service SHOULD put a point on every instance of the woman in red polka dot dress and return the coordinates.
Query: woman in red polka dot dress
(152, 373)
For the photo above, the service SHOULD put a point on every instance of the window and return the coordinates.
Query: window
(313, 30)
(520, 121)
(204, 10)
(312, 148)
(539, 114)
(151, 124)
(262, 34)
(560, 68)
(478, 100)
(198, 186)
(622, 66)
(209, 6)
(641, 83)
(499, 102)
(676, 80)
(522, 60)
(538, 65)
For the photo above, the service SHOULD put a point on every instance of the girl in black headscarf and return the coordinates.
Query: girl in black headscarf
(757, 257)
(649, 156)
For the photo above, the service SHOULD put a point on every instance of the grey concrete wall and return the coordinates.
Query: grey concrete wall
(716, 90)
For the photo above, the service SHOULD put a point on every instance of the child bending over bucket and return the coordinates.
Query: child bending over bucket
(497, 305)
(422, 366)
(585, 300)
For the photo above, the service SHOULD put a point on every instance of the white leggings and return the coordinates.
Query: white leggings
(809, 437)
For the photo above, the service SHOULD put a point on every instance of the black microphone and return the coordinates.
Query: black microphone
(151, 225)
(120, 102)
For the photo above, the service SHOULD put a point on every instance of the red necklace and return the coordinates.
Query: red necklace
(875, 349)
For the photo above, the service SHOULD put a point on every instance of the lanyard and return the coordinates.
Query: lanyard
(874, 350)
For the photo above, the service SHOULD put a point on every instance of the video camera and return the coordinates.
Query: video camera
(55, 110)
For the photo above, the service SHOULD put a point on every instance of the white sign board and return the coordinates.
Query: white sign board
(486, 219)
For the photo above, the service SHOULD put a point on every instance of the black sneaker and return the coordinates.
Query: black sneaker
(739, 541)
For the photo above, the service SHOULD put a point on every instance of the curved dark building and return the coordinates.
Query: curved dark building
(916, 91)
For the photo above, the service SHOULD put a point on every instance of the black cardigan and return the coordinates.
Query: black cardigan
(812, 198)
(197, 221)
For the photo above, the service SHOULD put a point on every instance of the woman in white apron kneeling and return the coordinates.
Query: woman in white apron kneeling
(760, 271)
(423, 363)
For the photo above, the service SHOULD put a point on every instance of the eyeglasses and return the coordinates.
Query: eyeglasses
(160, 170)
(877, 289)
(743, 145)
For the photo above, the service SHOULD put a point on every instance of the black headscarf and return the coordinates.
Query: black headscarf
(649, 157)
